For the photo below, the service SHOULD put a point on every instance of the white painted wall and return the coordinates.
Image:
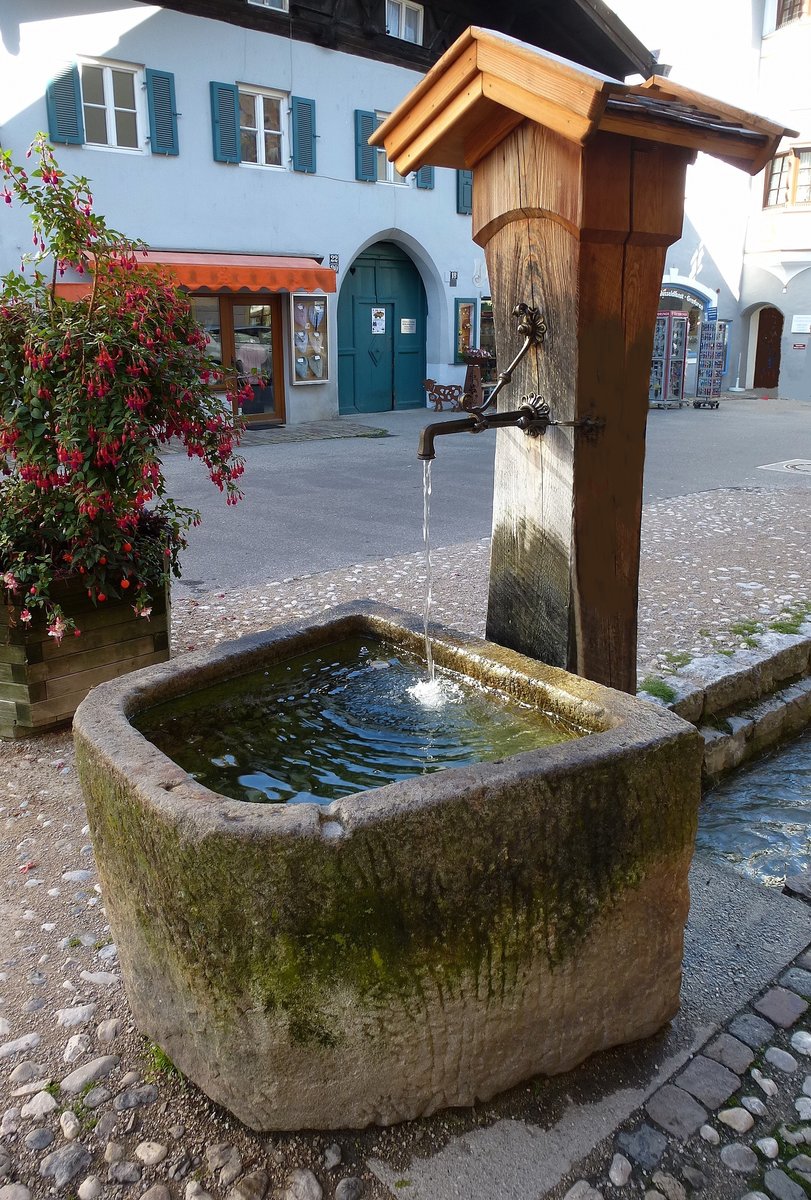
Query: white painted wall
(192, 202)
(777, 265)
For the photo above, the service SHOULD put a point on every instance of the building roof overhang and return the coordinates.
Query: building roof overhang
(585, 30)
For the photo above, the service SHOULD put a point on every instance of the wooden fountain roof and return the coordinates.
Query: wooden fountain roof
(487, 83)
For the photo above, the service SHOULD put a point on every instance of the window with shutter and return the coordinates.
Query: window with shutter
(365, 155)
(64, 103)
(303, 129)
(160, 94)
(225, 122)
(464, 192)
(425, 178)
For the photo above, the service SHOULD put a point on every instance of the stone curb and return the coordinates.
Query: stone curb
(744, 704)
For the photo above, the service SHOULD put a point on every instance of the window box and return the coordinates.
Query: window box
(44, 683)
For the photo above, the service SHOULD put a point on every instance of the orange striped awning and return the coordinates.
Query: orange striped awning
(201, 271)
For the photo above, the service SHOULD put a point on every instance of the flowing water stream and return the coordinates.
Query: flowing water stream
(429, 574)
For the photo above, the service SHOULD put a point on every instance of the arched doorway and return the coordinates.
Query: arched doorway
(767, 353)
(381, 332)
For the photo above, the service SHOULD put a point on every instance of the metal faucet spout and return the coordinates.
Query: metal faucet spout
(532, 417)
(425, 449)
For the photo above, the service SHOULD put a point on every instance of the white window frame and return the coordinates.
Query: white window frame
(108, 65)
(258, 94)
(791, 163)
(385, 171)
(274, 5)
(402, 7)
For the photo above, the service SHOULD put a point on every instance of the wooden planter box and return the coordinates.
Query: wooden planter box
(42, 683)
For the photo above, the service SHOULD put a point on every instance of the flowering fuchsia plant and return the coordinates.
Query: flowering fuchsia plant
(90, 390)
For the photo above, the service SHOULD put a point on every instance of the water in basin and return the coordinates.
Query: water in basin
(759, 818)
(338, 720)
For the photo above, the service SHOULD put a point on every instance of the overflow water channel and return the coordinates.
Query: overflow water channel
(758, 819)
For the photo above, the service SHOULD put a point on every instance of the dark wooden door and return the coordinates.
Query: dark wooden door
(767, 358)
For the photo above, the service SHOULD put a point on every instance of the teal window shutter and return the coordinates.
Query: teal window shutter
(365, 155)
(160, 95)
(464, 192)
(303, 122)
(425, 178)
(63, 98)
(225, 122)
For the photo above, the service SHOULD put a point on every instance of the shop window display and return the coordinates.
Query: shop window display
(310, 348)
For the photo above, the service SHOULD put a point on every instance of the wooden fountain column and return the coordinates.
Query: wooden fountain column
(579, 232)
(578, 190)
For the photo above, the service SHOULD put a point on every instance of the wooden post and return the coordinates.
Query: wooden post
(581, 233)
(578, 190)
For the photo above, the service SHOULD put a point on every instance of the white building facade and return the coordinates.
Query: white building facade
(746, 248)
(235, 147)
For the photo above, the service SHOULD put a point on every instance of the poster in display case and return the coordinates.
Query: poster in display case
(310, 342)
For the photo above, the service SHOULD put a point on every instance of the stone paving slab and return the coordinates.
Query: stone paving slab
(709, 1081)
(303, 431)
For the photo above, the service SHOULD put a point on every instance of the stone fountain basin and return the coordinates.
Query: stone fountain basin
(421, 945)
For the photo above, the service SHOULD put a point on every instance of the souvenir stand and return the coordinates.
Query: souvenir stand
(669, 360)
(712, 357)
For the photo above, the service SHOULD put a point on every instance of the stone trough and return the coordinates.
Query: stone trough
(425, 944)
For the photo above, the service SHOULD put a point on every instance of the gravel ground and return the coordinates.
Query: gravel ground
(715, 567)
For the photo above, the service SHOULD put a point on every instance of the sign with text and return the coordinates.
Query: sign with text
(801, 324)
(408, 324)
(378, 320)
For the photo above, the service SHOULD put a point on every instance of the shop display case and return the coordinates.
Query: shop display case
(310, 342)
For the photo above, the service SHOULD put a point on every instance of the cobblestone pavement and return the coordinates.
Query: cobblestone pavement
(89, 1108)
(734, 1123)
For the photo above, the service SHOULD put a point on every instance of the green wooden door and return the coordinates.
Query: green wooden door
(374, 380)
(381, 333)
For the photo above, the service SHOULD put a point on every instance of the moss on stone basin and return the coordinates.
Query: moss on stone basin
(427, 943)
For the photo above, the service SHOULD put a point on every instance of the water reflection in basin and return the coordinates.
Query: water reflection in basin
(339, 720)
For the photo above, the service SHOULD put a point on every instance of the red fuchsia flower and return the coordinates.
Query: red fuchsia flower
(57, 629)
(26, 616)
(10, 581)
(128, 356)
